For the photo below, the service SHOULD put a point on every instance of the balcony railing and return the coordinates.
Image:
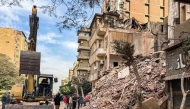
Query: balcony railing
(100, 52)
(80, 38)
(84, 68)
(82, 47)
(101, 31)
(79, 57)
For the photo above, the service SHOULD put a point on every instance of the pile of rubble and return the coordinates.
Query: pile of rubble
(113, 93)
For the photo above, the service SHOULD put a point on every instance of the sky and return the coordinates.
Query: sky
(58, 49)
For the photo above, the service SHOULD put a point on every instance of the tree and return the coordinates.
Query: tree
(8, 73)
(87, 87)
(67, 89)
(76, 14)
(78, 85)
(126, 50)
(186, 61)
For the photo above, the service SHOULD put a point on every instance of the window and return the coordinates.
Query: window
(127, 6)
(115, 64)
(7, 42)
(183, 13)
(161, 11)
(161, 2)
(88, 53)
(106, 39)
(162, 28)
(146, 9)
(100, 43)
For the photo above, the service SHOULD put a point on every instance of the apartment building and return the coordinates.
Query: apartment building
(11, 43)
(83, 69)
(70, 73)
(103, 33)
(64, 81)
(178, 14)
(73, 71)
(143, 10)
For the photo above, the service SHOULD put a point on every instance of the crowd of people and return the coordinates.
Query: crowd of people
(70, 102)
(5, 99)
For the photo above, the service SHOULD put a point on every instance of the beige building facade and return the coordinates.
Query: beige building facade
(11, 43)
(143, 10)
(83, 69)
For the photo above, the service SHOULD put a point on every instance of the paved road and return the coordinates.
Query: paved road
(36, 103)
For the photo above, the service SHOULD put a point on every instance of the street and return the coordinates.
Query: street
(35, 103)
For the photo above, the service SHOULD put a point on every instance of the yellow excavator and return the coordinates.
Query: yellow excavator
(37, 87)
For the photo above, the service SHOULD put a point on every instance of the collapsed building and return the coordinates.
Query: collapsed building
(107, 27)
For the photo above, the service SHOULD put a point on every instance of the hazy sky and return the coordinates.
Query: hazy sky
(58, 50)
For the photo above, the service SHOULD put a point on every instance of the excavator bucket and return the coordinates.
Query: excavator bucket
(30, 62)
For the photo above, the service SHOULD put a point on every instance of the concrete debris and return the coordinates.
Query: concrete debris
(112, 92)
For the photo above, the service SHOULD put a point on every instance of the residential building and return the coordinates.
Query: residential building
(11, 43)
(142, 10)
(105, 28)
(72, 71)
(178, 24)
(83, 69)
(64, 81)
(178, 14)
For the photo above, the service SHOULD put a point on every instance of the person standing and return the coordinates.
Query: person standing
(4, 100)
(65, 102)
(87, 99)
(8, 97)
(57, 100)
(74, 101)
(70, 102)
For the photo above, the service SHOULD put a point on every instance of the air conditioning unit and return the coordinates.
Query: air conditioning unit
(81, 42)
(101, 61)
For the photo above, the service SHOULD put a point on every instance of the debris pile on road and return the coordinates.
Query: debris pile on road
(112, 92)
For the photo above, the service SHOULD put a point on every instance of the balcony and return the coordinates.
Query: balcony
(93, 77)
(84, 68)
(100, 52)
(82, 47)
(101, 31)
(80, 38)
(79, 57)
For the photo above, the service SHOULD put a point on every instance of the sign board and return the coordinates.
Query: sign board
(30, 62)
(174, 62)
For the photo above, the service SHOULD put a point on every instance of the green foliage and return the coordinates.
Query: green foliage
(67, 89)
(87, 87)
(125, 49)
(186, 46)
(8, 73)
(75, 81)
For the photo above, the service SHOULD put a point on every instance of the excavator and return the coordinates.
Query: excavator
(37, 87)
